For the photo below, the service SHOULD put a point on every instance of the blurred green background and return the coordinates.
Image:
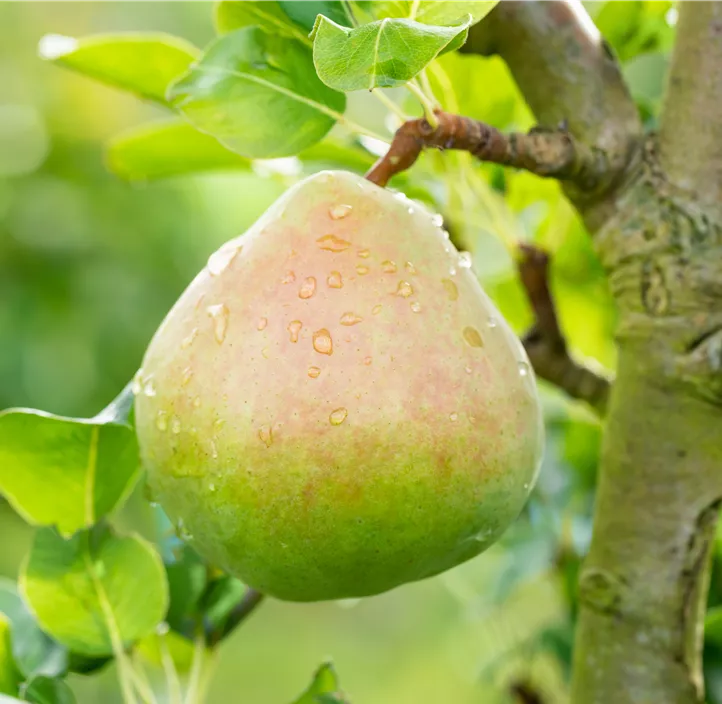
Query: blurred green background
(90, 264)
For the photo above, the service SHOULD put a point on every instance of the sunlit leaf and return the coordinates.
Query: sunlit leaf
(10, 676)
(617, 21)
(67, 472)
(94, 588)
(174, 148)
(266, 14)
(169, 148)
(34, 652)
(142, 63)
(381, 54)
(324, 689)
(635, 27)
(46, 690)
(259, 95)
(435, 11)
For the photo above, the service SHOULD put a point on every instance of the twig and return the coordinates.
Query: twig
(193, 691)
(250, 600)
(545, 344)
(545, 153)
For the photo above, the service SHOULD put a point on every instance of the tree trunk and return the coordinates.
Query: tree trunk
(643, 587)
(657, 224)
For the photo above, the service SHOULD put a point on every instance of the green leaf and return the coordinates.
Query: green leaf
(305, 13)
(220, 598)
(10, 676)
(94, 589)
(382, 54)
(67, 472)
(168, 148)
(618, 23)
(187, 579)
(85, 665)
(324, 689)
(173, 148)
(442, 12)
(259, 95)
(269, 16)
(45, 690)
(142, 63)
(34, 652)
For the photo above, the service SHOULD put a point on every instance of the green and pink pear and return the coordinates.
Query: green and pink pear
(334, 407)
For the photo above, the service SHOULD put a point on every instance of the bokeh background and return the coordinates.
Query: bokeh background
(89, 265)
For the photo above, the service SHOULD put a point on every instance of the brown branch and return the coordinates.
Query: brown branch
(566, 72)
(545, 344)
(691, 124)
(248, 603)
(543, 152)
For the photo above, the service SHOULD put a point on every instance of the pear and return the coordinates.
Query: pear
(334, 407)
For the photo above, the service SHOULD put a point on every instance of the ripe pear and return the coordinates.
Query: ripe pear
(334, 407)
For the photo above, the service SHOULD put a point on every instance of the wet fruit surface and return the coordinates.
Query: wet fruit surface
(334, 413)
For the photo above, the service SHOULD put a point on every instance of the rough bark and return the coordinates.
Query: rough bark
(644, 583)
(658, 231)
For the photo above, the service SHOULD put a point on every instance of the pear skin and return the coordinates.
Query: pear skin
(334, 407)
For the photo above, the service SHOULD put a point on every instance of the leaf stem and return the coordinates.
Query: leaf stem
(392, 106)
(358, 129)
(210, 662)
(451, 104)
(426, 102)
(175, 693)
(414, 9)
(426, 87)
(122, 664)
(349, 13)
(140, 679)
(194, 692)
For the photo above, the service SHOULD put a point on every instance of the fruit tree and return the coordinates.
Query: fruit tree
(334, 407)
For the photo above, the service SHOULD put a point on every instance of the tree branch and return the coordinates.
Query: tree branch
(545, 344)
(567, 73)
(543, 152)
(691, 124)
(250, 600)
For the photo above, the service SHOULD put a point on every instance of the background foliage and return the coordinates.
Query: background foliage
(91, 261)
